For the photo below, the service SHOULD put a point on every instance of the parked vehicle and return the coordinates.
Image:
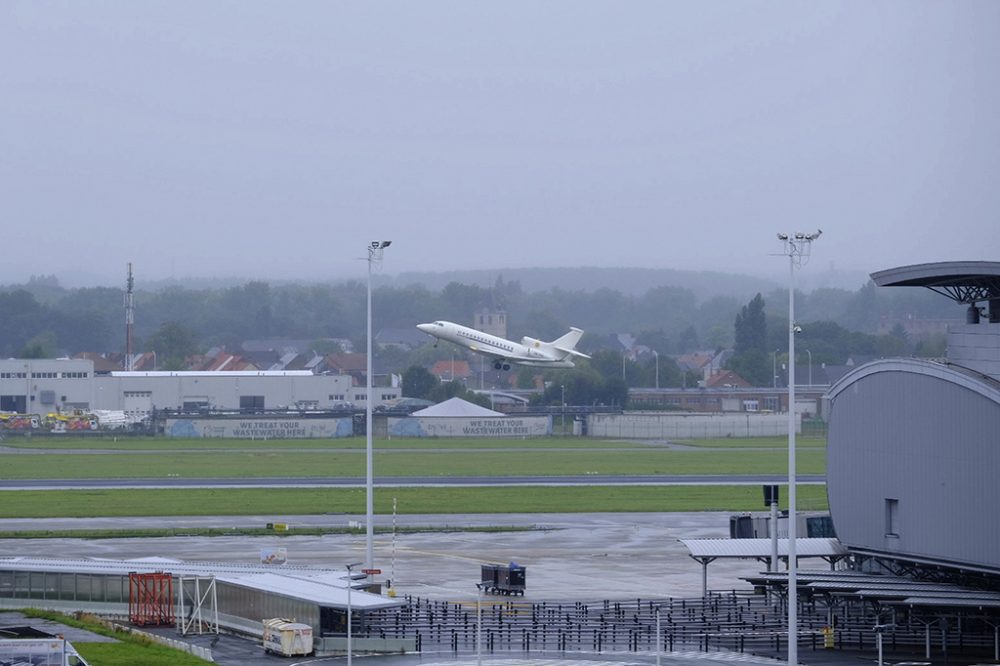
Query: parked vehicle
(503, 579)
(287, 637)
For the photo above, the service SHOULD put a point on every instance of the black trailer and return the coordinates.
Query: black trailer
(506, 579)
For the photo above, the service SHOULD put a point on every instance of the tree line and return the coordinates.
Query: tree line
(41, 319)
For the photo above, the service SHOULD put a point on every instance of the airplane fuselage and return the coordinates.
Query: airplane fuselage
(527, 352)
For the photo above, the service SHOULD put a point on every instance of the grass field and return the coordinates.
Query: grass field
(57, 458)
(129, 650)
(504, 457)
(106, 443)
(278, 502)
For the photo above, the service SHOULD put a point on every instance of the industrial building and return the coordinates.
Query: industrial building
(40, 386)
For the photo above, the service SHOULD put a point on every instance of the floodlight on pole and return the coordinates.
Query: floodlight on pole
(375, 249)
(810, 367)
(797, 248)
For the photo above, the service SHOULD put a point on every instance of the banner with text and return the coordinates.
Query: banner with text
(269, 428)
(461, 426)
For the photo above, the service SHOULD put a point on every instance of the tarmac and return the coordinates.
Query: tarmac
(568, 557)
(587, 556)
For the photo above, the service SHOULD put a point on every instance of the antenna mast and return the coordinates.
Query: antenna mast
(129, 318)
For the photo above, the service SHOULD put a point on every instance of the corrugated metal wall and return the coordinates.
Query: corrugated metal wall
(913, 464)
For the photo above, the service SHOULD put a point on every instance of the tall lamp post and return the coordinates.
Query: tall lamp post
(563, 424)
(350, 584)
(810, 368)
(656, 356)
(797, 248)
(375, 249)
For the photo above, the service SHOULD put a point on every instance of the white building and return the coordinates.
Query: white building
(40, 386)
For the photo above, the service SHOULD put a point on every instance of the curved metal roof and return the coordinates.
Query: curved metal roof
(985, 386)
(961, 281)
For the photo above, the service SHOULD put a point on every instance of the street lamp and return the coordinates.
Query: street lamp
(797, 247)
(375, 249)
(563, 419)
(656, 356)
(810, 368)
(774, 369)
(479, 623)
(350, 583)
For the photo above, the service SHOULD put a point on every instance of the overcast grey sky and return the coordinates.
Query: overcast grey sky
(275, 139)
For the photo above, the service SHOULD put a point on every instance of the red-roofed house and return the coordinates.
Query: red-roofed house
(451, 370)
(727, 379)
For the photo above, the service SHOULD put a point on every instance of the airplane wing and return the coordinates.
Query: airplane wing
(571, 351)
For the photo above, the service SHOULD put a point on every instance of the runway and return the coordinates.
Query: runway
(402, 482)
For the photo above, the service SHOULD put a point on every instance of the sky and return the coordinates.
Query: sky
(275, 140)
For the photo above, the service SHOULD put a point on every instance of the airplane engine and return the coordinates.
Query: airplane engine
(530, 342)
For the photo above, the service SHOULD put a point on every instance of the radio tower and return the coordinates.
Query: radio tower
(129, 318)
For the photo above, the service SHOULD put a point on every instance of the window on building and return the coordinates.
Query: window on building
(891, 517)
(13, 403)
(251, 403)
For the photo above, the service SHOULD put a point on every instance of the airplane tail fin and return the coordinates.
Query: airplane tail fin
(567, 343)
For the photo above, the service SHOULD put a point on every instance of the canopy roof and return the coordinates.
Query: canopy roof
(455, 407)
(962, 281)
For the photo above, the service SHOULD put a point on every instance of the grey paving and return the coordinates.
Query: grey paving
(568, 556)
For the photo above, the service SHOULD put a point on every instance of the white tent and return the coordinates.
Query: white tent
(456, 407)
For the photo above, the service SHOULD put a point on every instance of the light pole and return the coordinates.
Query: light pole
(350, 583)
(810, 368)
(797, 248)
(375, 249)
(479, 624)
(659, 635)
(774, 369)
(563, 424)
(656, 356)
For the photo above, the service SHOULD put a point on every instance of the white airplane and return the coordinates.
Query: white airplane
(555, 354)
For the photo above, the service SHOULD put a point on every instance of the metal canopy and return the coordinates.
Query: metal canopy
(954, 602)
(760, 548)
(966, 282)
(890, 590)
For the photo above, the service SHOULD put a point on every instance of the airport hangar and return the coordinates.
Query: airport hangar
(40, 386)
(913, 458)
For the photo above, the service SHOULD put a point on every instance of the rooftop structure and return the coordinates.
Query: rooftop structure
(911, 453)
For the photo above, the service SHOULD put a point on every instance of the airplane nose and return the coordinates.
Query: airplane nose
(426, 328)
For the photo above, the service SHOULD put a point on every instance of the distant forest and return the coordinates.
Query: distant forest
(694, 311)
